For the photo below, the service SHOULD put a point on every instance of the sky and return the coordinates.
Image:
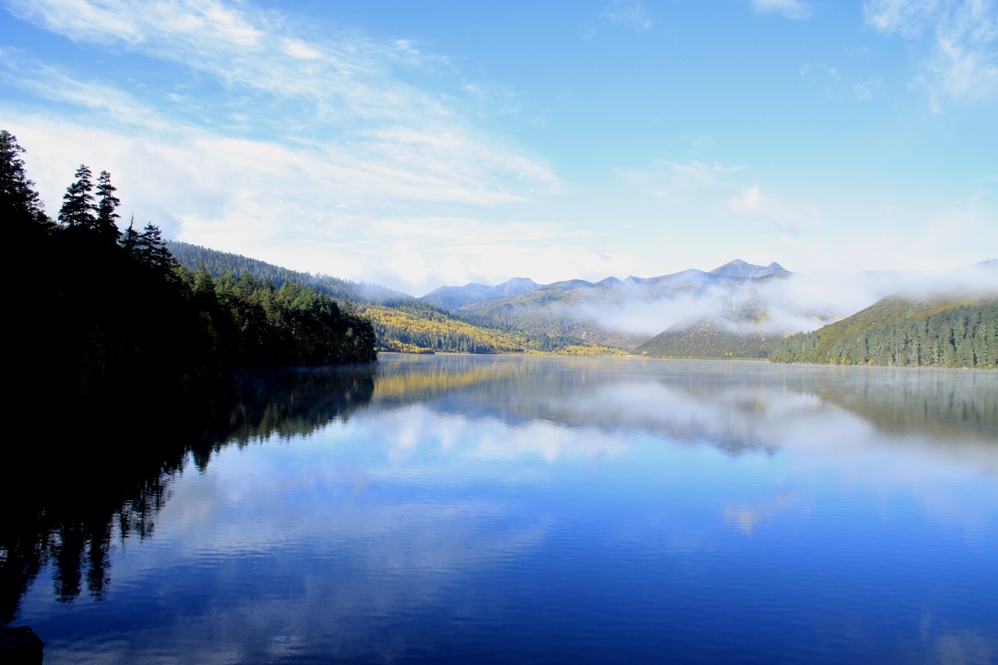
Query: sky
(418, 144)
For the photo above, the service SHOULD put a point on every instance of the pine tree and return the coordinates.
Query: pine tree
(78, 209)
(151, 249)
(130, 239)
(19, 202)
(106, 223)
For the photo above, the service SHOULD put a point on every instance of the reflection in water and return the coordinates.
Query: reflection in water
(733, 405)
(467, 508)
(62, 510)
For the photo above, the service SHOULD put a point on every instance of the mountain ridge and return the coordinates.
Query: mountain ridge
(456, 297)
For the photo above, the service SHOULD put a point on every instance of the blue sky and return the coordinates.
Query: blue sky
(416, 144)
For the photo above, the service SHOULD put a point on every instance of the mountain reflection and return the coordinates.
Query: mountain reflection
(64, 504)
(733, 405)
(72, 503)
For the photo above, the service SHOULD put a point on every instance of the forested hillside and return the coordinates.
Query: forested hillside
(401, 322)
(708, 339)
(112, 314)
(902, 333)
(217, 263)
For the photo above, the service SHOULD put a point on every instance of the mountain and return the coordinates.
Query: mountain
(455, 297)
(573, 307)
(900, 332)
(401, 321)
(738, 269)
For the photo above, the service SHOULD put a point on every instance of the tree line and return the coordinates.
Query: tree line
(102, 313)
(900, 333)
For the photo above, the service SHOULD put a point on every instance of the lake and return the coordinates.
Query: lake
(476, 509)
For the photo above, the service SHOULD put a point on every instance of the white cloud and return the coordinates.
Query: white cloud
(794, 9)
(752, 201)
(299, 49)
(955, 42)
(629, 13)
(267, 138)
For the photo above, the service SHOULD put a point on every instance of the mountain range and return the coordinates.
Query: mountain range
(737, 310)
(457, 297)
(585, 309)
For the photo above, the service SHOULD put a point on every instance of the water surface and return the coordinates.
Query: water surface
(535, 509)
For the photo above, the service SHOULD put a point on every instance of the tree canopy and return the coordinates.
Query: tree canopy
(108, 313)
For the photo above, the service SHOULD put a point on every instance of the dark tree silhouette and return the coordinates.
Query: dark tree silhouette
(78, 208)
(106, 223)
(19, 202)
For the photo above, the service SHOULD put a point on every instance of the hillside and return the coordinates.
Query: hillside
(707, 339)
(401, 322)
(216, 263)
(903, 333)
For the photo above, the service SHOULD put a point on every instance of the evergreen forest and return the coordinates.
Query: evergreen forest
(901, 333)
(111, 315)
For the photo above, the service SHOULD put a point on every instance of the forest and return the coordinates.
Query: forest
(898, 332)
(107, 315)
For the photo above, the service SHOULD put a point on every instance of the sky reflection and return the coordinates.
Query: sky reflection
(577, 510)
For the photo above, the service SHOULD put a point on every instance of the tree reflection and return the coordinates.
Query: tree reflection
(70, 492)
(577, 392)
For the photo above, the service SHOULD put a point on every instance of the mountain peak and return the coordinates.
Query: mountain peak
(739, 269)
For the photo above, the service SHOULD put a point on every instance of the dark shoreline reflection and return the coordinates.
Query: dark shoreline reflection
(64, 501)
(71, 506)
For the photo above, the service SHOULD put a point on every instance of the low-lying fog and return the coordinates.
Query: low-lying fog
(799, 302)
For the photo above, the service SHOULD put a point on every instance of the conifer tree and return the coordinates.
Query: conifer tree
(151, 248)
(78, 202)
(19, 202)
(130, 239)
(106, 223)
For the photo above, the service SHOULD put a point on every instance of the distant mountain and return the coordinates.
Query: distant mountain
(567, 307)
(738, 269)
(455, 297)
(691, 277)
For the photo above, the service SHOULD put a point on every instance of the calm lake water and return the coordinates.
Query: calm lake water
(544, 510)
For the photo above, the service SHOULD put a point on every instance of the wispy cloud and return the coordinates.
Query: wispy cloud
(956, 42)
(752, 201)
(341, 93)
(277, 136)
(793, 9)
(629, 13)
